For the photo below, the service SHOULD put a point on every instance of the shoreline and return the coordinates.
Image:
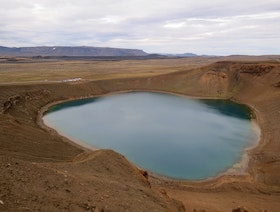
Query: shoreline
(237, 169)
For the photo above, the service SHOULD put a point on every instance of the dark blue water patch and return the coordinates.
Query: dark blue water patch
(166, 134)
(69, 104)
(228, 108)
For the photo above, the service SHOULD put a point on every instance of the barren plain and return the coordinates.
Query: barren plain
(43, 171)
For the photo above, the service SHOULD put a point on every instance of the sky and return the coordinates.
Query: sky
(216, 27)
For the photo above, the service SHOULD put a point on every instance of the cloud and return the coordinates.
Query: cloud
(203, 27)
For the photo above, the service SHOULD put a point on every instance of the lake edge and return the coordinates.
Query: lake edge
(232, 171)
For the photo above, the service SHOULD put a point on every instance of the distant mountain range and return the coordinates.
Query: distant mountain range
(181, 55)
(70, 51)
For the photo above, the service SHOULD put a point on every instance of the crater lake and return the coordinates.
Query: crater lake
(169, 135)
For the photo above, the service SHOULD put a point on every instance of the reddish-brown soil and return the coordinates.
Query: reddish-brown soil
(42, 171)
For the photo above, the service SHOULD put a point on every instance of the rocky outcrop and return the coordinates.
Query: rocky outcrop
(10, 102)
(240, 209)
(277, 85)
(19, 98)
(256, 69)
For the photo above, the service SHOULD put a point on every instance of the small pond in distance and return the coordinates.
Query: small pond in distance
(166, 134)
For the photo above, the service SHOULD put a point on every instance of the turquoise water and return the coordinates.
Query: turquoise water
(169, 135)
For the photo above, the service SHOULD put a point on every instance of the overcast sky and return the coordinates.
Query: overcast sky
(217, 27)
